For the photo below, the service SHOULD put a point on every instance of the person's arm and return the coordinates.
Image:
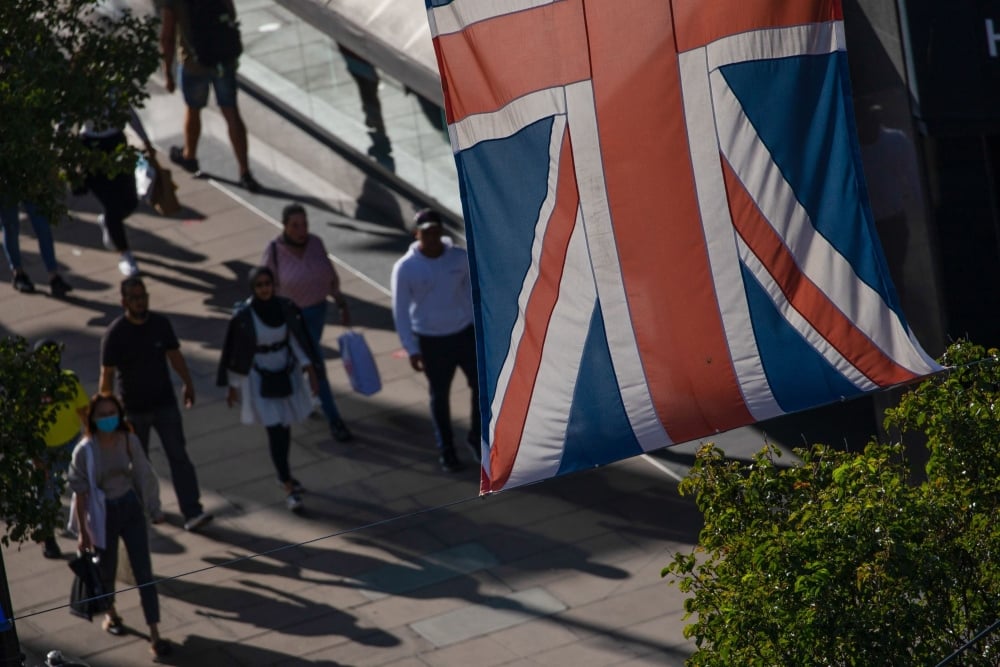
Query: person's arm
(168, 45)
(270, 257)
(338, 298)
(177, 362)
(401, 316)
(313, 380)
(79, 481)
(107, 385)
(83, 542)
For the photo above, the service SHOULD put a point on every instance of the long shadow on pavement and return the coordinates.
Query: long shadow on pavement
(198, 650)
(519, 537)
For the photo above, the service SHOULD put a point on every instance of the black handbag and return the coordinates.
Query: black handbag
(275, 384)
(87, 596)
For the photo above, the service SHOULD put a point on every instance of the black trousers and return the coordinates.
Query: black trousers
(442, 356)
(279, 442)
(116, 193)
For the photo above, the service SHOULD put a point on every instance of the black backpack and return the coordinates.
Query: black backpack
(215, 33)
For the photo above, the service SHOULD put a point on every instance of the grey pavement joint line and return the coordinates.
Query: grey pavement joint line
(293, 545)
(481, 619)
(431, 569)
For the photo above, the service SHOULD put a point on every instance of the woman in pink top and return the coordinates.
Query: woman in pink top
(304, 273)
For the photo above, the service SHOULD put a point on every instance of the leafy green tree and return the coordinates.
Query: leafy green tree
(64, 63)
(842, 558)
(29, 382)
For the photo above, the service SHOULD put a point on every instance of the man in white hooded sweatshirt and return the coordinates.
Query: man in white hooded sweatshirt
(432, 308)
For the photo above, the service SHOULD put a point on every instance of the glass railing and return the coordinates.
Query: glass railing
(305, 70)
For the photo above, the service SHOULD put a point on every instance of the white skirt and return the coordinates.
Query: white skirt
(292, 409)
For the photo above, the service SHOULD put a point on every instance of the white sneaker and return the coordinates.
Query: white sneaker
(127, 265)
(105, 234)
(293, 501)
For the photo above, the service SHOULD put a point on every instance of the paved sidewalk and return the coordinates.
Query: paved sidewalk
(561, 573)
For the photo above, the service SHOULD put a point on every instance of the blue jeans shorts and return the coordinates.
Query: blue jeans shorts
(194, 86)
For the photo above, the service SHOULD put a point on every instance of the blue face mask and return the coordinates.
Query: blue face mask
(107, 424)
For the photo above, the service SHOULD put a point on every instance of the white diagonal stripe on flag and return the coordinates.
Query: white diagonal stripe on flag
(540, 453)
(508, 120)
(720, 240)
(531, 276)
(812, 39)
(819, 261)
(806, 330)
(603, 248)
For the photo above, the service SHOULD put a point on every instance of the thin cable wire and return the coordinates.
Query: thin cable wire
(346, 531)
(383, 522)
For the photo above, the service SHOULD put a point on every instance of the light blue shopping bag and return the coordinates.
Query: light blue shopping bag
(359, 363)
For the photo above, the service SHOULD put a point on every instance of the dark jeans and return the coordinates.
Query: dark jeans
(315, 318)
(126, 520)
(442, 355)
(279, 441)
(10, 220)
(167, 422)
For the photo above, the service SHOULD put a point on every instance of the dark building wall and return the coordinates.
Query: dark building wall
(963, 200)
(926, 67)
(893, 155)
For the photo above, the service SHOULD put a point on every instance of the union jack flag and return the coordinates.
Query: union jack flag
(667, 223)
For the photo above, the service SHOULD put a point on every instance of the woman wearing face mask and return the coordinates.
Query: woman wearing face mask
(110, 477)
(267, 336)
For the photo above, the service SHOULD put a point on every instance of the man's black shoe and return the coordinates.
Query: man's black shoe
(22, 283)
(450, 463)
(340, 431)
(59, 287)
(249, 183)
(188, 164)
(51, 548)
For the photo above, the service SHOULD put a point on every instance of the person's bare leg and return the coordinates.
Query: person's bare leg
(237, 137)
(192, 132)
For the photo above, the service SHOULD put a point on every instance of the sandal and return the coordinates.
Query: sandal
(160, 648)
(113, 625)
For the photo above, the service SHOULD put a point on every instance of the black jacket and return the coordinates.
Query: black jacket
(241, 340)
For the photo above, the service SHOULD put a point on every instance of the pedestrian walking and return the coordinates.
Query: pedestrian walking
(207, 35)
(265, 352)
(111, 480)
(10, 220)
(304, 273)
(116, 194)
(138, 346)
(65, 422)
(432, 308)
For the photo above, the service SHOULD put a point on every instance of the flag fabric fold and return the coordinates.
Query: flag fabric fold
(667, 223)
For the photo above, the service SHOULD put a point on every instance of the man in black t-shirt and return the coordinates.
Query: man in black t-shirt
(138, 347)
